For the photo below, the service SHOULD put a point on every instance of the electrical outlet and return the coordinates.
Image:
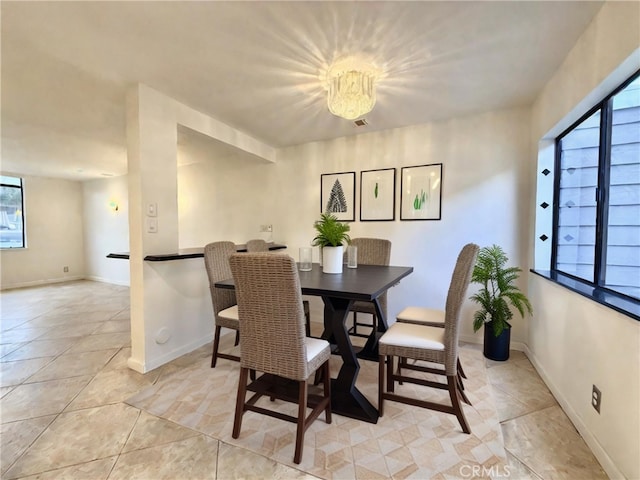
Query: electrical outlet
(269, 228)
(596, 398)
(65, 269)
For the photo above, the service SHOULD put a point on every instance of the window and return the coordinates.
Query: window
(11, 213)
(597, 195)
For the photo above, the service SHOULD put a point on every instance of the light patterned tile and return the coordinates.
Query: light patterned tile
(7, 348)
(15, 437)
(238, 463)
(151, 431)
(112, 386)
(203, 399)
(549, 445)
(101, 341)
(522, 383)
(39, 349)
(196, 455)
(96, 470)
(73, 365)
(71, 331)
(39, 399)
(21, 334)
(15, 373)
(72, 439)
(5, 390)
(115, 326)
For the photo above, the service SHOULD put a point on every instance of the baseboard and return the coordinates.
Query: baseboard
(93, 278)
(601, 455)
(145, 367)
(38, 283)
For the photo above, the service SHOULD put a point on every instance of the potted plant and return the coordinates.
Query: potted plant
(496, 296)
(331, 236)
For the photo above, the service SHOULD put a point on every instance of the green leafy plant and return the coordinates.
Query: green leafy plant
(330, 232)
(498, 291)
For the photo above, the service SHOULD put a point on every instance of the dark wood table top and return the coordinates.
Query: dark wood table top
(366, 282)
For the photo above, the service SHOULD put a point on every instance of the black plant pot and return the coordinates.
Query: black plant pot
(496, 348)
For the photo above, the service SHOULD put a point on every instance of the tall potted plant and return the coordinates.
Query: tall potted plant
(331, 236)
(496, 296)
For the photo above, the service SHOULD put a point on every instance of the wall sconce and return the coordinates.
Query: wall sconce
(113, 205)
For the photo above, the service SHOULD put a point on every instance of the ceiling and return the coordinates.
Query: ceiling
(257, 66)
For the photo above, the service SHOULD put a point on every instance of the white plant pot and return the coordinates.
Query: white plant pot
(332, 258)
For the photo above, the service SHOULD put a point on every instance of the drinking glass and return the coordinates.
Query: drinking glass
(352, 256)
(306, 255)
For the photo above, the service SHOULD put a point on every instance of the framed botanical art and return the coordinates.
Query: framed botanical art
(421, 192)
(378, 195)
(338, 195)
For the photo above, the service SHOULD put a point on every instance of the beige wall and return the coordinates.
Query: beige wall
(484, 197)
(573, 341)
(53, 215)
(485, 188)
(106, 230)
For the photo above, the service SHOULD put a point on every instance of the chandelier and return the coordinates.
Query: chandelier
(351, 89)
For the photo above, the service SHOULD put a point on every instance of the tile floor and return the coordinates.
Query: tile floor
(63, 378)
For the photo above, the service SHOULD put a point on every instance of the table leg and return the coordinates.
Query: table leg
(370, 349)
(346, 399)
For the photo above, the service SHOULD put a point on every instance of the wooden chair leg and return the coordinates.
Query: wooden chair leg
(237, 338)
(390, 380)
(326, 374)
(216, 344)
(242, 391)
(461, 390)
(380, 385)
(460, 381)
(455, 402)
(302, 413)
(355, 323)
(460, 370)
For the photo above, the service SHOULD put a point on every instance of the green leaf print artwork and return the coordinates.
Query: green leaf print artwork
(420, 201)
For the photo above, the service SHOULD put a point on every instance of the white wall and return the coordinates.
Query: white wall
(573, 341)
(168, 317)
(53, 214)
(106, 230)
(484, 197)
(225, 198)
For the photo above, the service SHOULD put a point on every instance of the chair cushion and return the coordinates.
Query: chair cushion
(230, 313)
(422, 316)
(315, 346)
(410, 335)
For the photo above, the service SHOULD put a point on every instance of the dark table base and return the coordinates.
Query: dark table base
(352, 404)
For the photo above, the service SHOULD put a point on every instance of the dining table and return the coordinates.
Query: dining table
(338, 292)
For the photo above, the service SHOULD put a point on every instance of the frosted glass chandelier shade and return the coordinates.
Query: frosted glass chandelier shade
(351, 93)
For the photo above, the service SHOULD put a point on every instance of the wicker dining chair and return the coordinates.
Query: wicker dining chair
(429, 317)
(371, 251)
(432, 344)
(274, 342)
(225, 310)
(258, 245)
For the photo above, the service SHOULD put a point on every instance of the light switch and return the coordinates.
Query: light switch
(152, 225)
(152, 209)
